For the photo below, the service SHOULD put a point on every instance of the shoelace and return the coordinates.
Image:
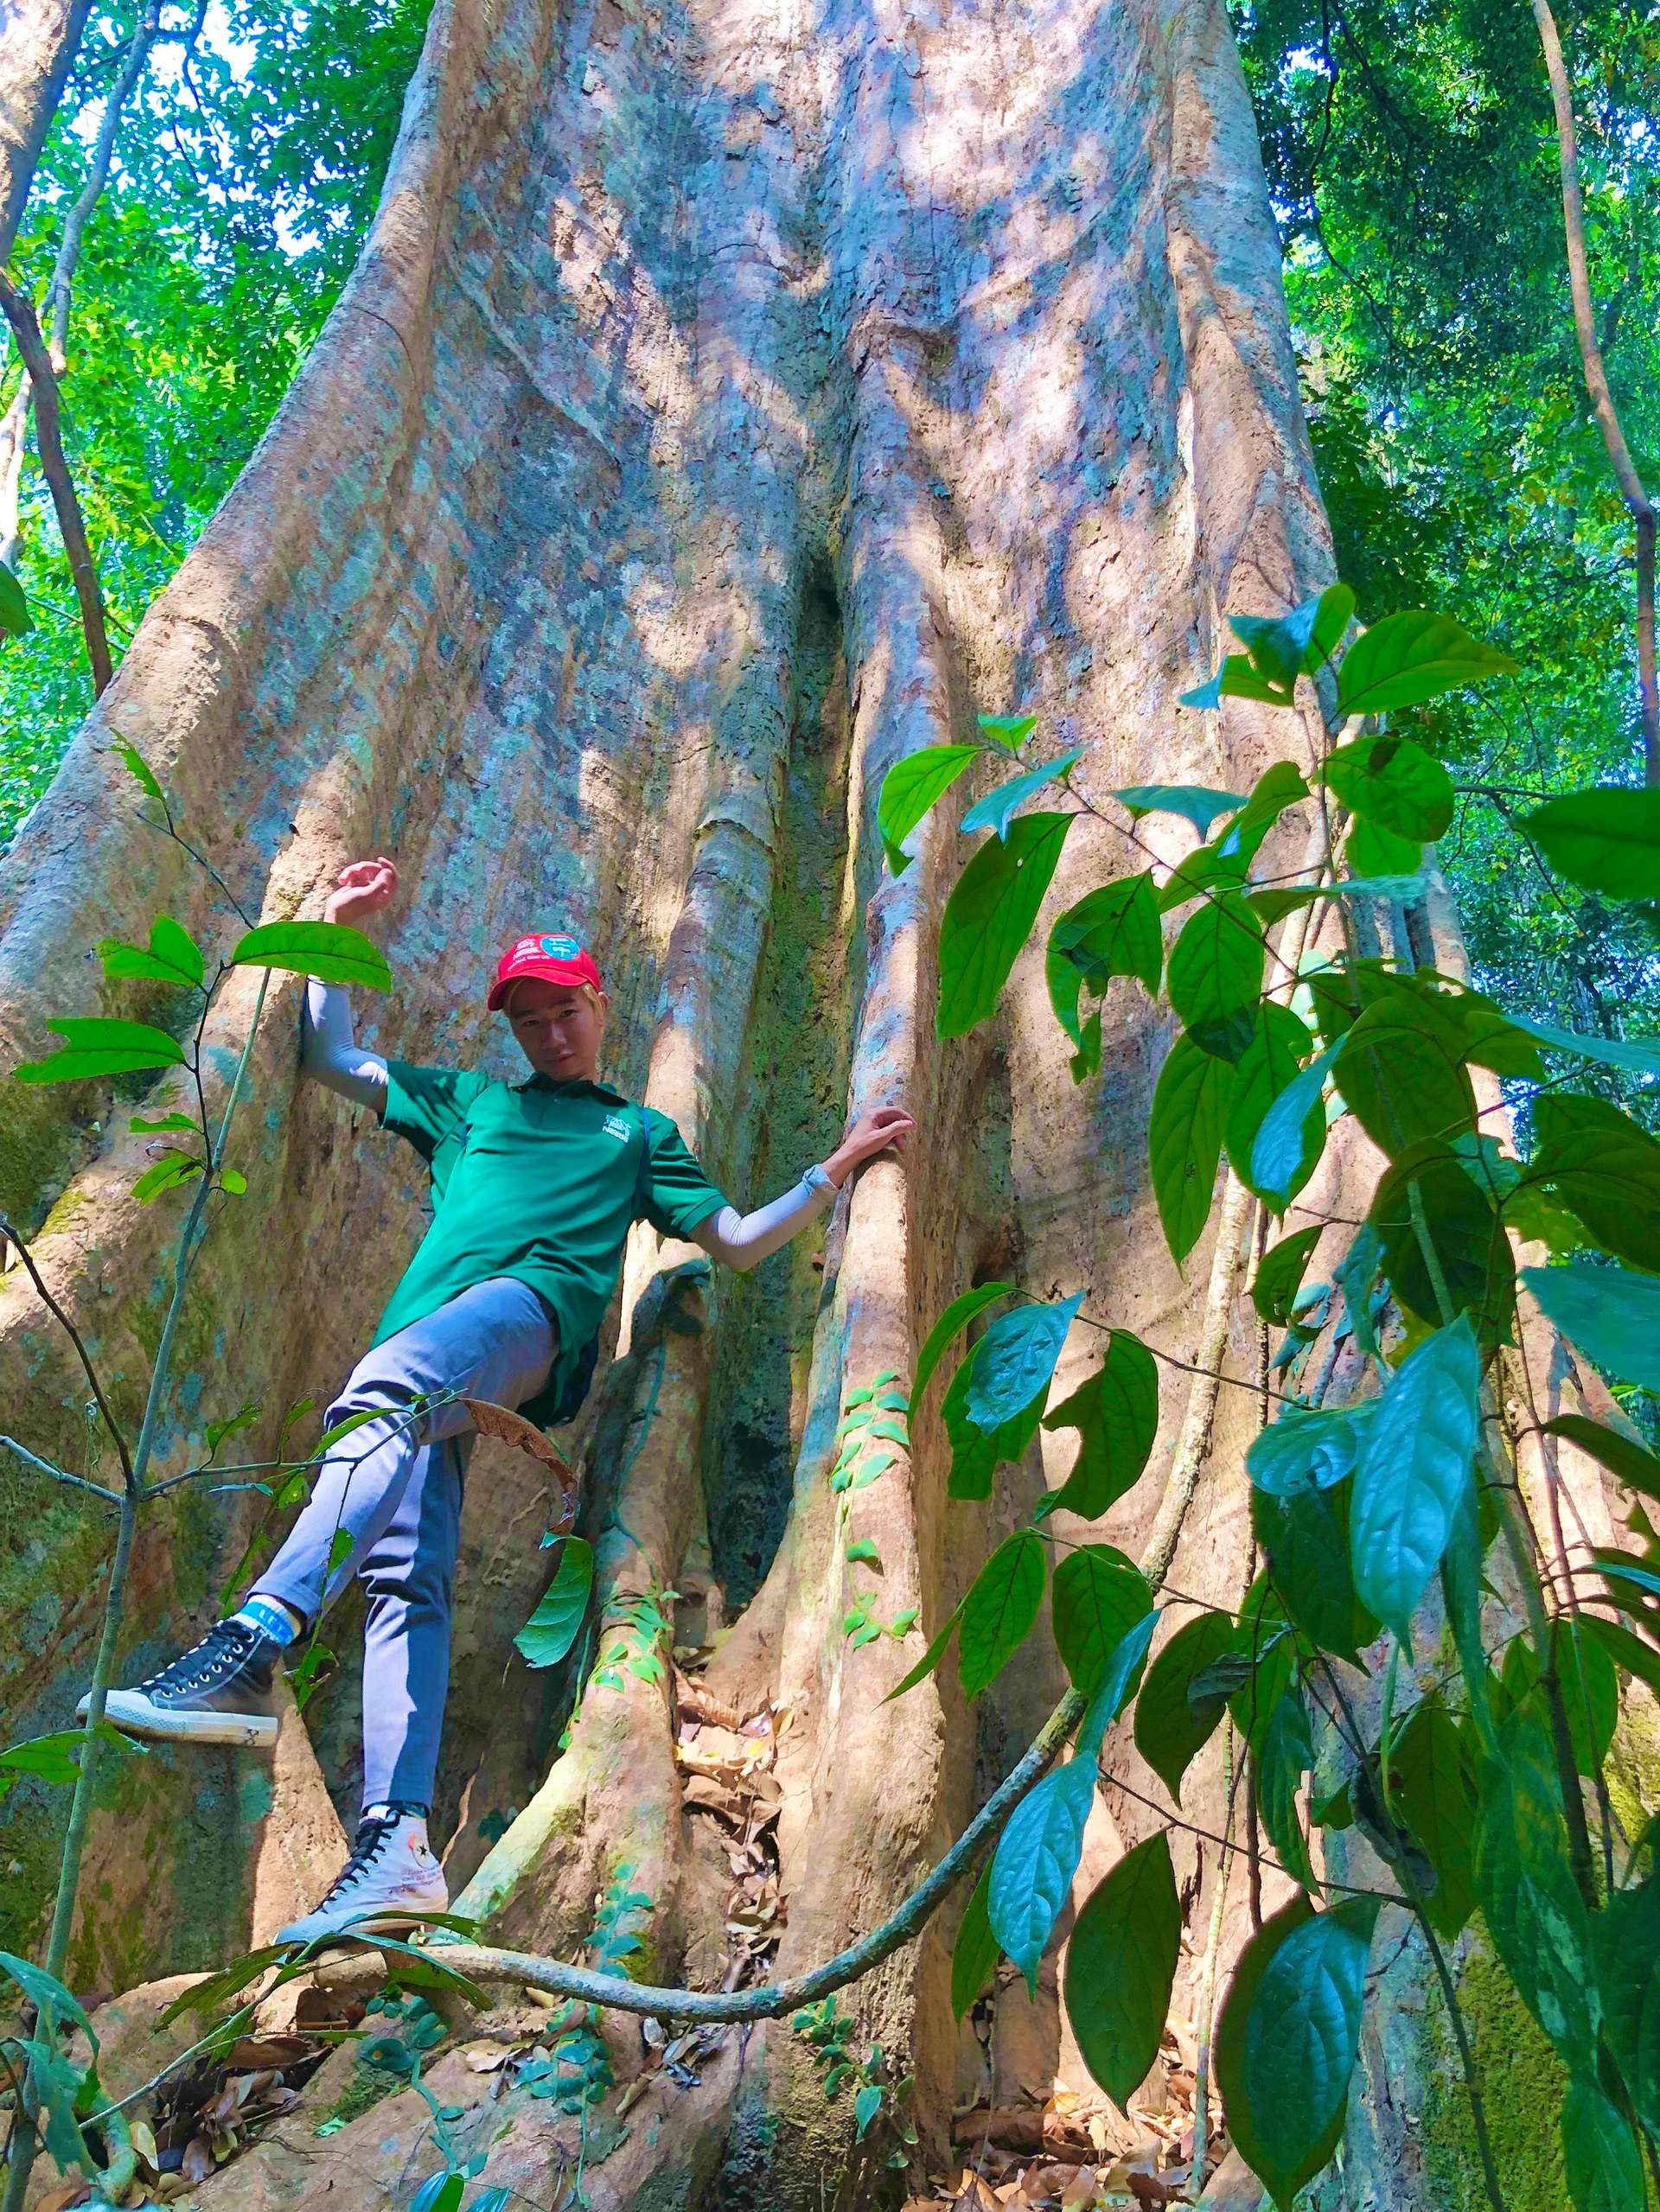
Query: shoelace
(224, 1646)
(372, 1838)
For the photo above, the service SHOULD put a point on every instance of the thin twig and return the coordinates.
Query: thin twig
(8, 1231)
(60, 1474)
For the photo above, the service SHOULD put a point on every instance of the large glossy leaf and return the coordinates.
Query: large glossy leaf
(1606, 840)
(1600, 2159)
(911, 788)
(1304, 1537)
(1401, 1074)
(997, 809)
(1099, 1596)
(1216, 971)
(15, 618)
(1287, 2036)
(1412, 1472)
(1115, 1412)
(1371, 850)
(1465, 1233)
(332, 950)
(955, 1318)
(1194, 803)
(1269, 1065)
(554, 1625)
(1308, 1448)
(1037, 1857)
(1238, 678)
(1280, 1161)
(172, 956)
(1634, 1055)
(999, 1609)
(1587, 1682)
(1526, 1890)
(1287, 1753)
(1278, 900)
(1011, 731)
(1433, 1786)
(1394, 782)
(1169, 1732)
(931, 1658)
(1622, 1454)
(1633, 1653)
(1610, 1314)
(1114, 931)
(974, 1955)
(1606, 1168)
(1190, 1110)
(1412, 656)
(93, 1046)
(976, 1453)
(989, 916)
(1626, 1934)
(1015, 1359)
(1120, 1963)
(1279, 1274)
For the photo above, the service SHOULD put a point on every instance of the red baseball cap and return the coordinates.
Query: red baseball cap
(551, 957)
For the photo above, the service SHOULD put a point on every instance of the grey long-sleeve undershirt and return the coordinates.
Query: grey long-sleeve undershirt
(331, 1056)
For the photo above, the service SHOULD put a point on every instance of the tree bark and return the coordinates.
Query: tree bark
(727, 404)
(38, 43)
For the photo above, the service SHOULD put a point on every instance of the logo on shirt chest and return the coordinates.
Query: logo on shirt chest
(618, 1125)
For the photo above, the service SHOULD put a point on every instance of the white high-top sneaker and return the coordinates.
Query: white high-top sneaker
(390, 1878)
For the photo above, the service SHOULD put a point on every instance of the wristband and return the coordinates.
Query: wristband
(821, 1185)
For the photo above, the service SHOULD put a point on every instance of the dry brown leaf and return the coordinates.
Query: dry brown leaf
(492, 1421)
(1080, 2192)
(973, 2196)
(198, 2161)
(485, 2057)
(143, 2142)
(277, 2051)
(65, 2194)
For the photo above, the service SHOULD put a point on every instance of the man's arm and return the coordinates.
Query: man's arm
(742, 1240)
(330, 1052)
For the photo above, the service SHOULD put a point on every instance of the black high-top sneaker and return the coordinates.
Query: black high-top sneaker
(223, 1690)
(390, 1880)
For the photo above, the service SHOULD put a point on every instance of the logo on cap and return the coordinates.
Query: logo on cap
(560, 948)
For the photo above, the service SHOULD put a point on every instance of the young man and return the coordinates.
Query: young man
(535, 1186)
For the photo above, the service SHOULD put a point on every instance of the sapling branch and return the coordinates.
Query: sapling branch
(55, 1308)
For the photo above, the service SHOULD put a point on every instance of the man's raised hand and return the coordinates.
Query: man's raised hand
(362, 889)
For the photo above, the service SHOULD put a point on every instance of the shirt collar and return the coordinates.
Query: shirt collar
(577, 1086)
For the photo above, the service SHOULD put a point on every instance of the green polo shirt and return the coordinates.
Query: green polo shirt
(541, 1180)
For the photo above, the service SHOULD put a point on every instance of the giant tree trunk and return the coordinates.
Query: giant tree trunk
(38, 41)
(730, 400)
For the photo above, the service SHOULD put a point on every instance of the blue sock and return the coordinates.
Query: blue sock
(272, 1618)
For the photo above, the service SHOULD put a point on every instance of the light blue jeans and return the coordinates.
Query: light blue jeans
(393, 1487)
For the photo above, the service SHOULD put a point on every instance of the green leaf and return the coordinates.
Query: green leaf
(999, 1609)
(1287, 2036)
(929, 1659)
(15, 618)
(439, 2192)
(1280, 1148)
(1169, 1732)
(1115, 1412)
(244, 1417)
(912, 786)
(1606, 840)
(1613, 1316)
(1354, 1276)
(1395, 783)
(1114, 931)
(1279, 1275)
(1215, 967)
(1589, 1686)
(1099, 1596)
(866, 2105)
(136, 765)
(172, 1169)
(1412, 1472)
(233, 1180)
(1015, 1359)
(1009, 730)
(1410, 657)
(1625, 1649)
(1037, 1857)
(1308, 1448)
(1237, 678)
(864, 1550)
(996, 810)
(1121, 1964)
(1372, 851)
(976, 1453)
(1278, 900)
(1304, 1537)
(1600, 2158)
(1190, 1109)
(1526, 1890)
(166, 1121)
(1606, 1168)
(1196, 803)
(1465, 1233)
(1212, 868)
(172, 956)
(955, 1318)
(1621, 1455)
(1627, 1937)
(1620, 1567)
(989, 915)
(1634, 1055)
(554, 1625)
(1286, 1756)
(93, 1046)
(1333, 613)
(1434, 1789)
(1269, 1065)
(1401, 1070)
(332, 951)
(1278, 644)
(974, 1955)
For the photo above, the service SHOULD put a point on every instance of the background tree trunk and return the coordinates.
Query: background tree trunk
(38, 41)
(730, 400)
